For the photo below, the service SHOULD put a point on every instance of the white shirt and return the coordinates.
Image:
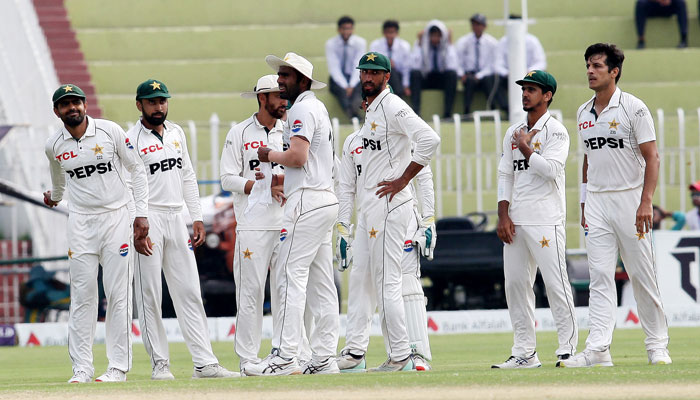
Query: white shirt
(469, 46)
(309, 119)
(390, 127)
(337, 51)
(95, 164)
(536, 187)
(171, 177)
(350, 183)
(611, 142)
(399, 54)
(239, 159)
(692, 219)
(535, 57)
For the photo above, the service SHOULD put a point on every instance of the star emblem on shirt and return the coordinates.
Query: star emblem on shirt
(373, 233)
(544, 242)
(155, 85)
(640, 235)
(97, 149)
(613, 124)
(176, 144)
(537, 145)
(70, 253)
(374, 126)
(371, 57)
(529, 74)
(247, 253)
(67, 88)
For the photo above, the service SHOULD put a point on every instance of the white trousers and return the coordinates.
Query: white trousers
(385, 224)
(100, 239)
(611, 228)
(256, 254)
(362, 297)
(544, 247)
(173, 255)
(306, 257)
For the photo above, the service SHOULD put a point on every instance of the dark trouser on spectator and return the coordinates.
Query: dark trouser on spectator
(396, 82)
(649, 8)
(500, 92)
(485, 85)
(446, 81)
(350, 105)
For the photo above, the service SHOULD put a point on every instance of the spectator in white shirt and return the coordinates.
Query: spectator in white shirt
(477, 54)
(535, 59)
(692, 217)
(343, 52)
(434, 65)
(399, 52)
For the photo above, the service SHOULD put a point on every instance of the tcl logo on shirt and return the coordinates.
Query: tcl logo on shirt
(596, 143)
(254, 145)
(165, 165)
(66, 156)
(358, 150)
(87, 170)
(585, 125)
(152, 148)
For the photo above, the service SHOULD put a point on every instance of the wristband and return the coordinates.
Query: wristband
(583, 193)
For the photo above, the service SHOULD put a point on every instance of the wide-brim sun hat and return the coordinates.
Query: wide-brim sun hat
(266, 84)
(297, 62)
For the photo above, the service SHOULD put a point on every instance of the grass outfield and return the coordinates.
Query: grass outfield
(461, 369)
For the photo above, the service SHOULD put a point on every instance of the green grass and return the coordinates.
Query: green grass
(458, 361)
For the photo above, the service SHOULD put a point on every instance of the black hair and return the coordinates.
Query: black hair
(434, 29)
(390, 23)
(345, 20)
(614, 57)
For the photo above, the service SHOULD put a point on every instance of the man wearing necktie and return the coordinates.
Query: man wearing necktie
(477, 51)
(343, 51)
(399, 53)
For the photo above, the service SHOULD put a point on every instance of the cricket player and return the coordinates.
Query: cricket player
(620, 170)
(362, 297)
(305, 254)
(531, 222)
(258, 227)
(386, 207)
(162, 147)
(94, 154)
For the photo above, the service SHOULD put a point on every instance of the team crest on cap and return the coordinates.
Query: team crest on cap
(189, 244)
(128, 144)
(408, 246)
(296, 126)
(371, 56)
(529, 74)
(124, 250)
(283, 235)
(68, 88)
(155, 85)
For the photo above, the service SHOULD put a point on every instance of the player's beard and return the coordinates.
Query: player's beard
(275, 112)
(73, 120)
(370, 92)
(155, 121)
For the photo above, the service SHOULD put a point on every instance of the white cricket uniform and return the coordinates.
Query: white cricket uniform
(172, 183)
(99, 232)
(615, 181)
(257, 232)
(361, 291)
(388, 132)
(306, 254)
(534, 189)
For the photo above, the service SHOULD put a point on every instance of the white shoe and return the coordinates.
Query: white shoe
(80, 377)
(348, 362)
(420, 363)
(327, 366)
(659, 357)
(161, 372)
(213, 371)
(513, 362)
(395, 366)
(273, 365)
(588, 358)
(112, 375)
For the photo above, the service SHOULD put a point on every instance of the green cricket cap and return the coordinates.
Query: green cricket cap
(67, 90)
(152, 88)
(374, 60)
(542, 78)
